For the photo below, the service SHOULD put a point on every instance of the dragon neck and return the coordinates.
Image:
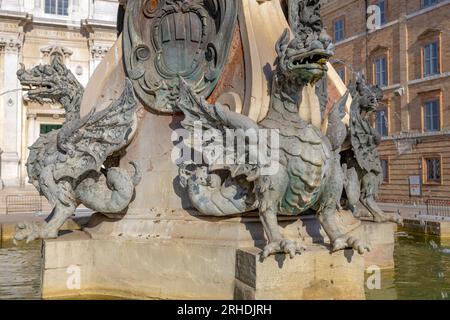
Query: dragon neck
(286, 97)
(72, 104)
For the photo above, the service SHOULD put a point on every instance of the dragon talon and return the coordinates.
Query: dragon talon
(351, 242)
(288, 247)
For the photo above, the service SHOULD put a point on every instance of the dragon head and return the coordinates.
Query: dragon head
(369, 96)
(304, 58)
(53, 82)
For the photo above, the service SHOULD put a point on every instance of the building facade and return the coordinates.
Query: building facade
(404, 47)
(30, 31)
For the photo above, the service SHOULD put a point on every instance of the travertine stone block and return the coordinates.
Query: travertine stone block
(316, 274)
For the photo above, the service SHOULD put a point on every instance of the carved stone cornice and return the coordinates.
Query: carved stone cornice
(31, 116)
(89, 26)
(47, 51)
(430, 32)
(11, 43)
(99, 51)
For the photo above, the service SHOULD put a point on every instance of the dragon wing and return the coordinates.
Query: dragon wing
(85, 144)
(216, 116)
(364, 140)
(200, 114)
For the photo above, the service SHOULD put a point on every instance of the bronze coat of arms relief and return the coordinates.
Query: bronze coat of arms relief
(168, 39)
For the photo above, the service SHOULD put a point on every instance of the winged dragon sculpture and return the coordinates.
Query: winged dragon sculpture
(72, 166)
(362, 162)
(314, 168)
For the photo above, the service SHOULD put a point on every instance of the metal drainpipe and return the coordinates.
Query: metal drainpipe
(1, 180)
(367, 40)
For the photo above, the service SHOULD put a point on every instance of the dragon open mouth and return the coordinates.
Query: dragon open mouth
(34, 86)
(315, 59)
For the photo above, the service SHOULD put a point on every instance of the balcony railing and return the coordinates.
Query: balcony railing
(438, 208)
(23, 204)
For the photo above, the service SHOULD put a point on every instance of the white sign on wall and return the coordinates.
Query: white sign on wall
(415, 186)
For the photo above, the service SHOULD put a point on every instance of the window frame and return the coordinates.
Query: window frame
(57, 6)
(425, 169)
(386, 122)
(439, 115)
(344, 73)
(424, 5)
(430, 59)
(383, 12)
(340, 19)
(386, 171)
(56, 126)
(386, 71)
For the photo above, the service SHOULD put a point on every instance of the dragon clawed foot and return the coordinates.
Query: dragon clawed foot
(396, 218)
(379, 215)
(388, 217)
(356, 244)
(284, 247)
(30, 231)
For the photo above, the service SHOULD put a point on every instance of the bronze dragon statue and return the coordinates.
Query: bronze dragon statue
(71, 166)
(309, 174)
(362, 162)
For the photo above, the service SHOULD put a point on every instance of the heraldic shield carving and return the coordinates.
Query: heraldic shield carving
(168, 39)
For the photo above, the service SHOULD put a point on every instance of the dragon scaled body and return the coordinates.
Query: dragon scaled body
(309, 174)
(313, 169)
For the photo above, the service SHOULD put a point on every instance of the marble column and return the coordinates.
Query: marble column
(11, 108)
(404, 69)
(31, 130)
(1, 180)
(37, 8)
(76, 15)
(32, 135)
(91, 9)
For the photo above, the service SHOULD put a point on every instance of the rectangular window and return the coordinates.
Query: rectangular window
(382, 6)
(59, 7)
(427, 3)
(341, 73)
(46, 128)
(432, 115)
(50, 6)
(381, 72)
(339, 30)
(431, 59)
(385, 167)
(433, 170)
(381, 123)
